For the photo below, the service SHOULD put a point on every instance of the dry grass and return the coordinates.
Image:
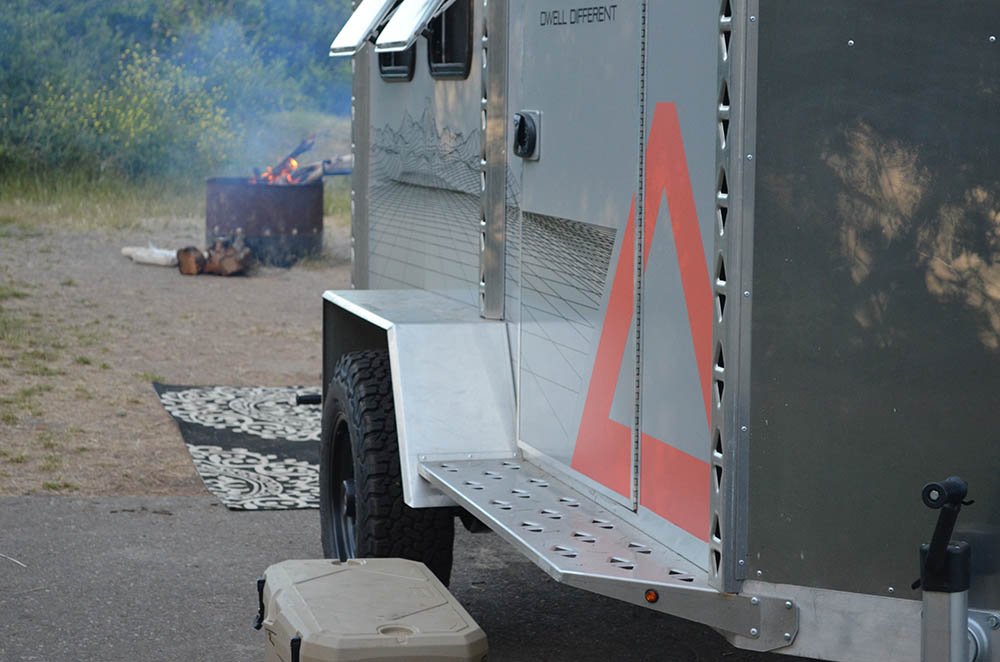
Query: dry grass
(28, 204)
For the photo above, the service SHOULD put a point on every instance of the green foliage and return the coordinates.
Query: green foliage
(138, 88)
(150, 117)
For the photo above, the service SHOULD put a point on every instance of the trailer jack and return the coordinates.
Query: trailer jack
(945, 575)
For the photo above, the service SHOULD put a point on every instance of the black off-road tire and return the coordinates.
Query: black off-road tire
(359, 430)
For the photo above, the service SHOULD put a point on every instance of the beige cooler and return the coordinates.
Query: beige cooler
(364, 609)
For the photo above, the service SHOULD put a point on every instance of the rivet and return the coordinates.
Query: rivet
(850, 42)
(742, 562)
(754, 632)
(749, 157)
(891, 590)
(760, 573)
(746, 293)
(788, 636)
(788, 604)
(993, 38)
(753, 19)
(743, 428)
(754, 600)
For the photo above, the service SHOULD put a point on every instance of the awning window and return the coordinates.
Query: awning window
(363, 23)
(449, 41)
(407, 23)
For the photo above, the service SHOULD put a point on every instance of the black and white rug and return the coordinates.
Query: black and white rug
(254, 448)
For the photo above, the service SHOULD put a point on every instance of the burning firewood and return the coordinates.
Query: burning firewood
(289, 172)
(308, 174)
(282, 172)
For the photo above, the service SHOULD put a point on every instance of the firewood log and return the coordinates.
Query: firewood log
(307, 174)
(190, 261)
(303, 147)
(315, 175)
(229, 258)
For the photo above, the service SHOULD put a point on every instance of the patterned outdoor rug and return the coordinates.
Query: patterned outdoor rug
(254, 448)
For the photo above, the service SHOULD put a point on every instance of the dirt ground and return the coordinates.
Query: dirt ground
(84, 332)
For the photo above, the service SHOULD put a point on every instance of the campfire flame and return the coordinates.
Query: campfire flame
(283, 175)
(285, 172)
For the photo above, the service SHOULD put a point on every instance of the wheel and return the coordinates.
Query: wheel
(362, 513)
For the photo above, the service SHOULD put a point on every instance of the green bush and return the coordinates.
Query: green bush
(149, 117)
(138, 88)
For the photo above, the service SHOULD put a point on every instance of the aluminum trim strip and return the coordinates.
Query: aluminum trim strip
(356, 309)
(360, 141)
(638, 269)
(386, 308)
(739, 508)
(494, 137)
(730, 415)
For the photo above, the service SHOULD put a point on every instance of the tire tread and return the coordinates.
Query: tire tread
(386, 526)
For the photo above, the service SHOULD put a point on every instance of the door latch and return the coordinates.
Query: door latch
(527, 139)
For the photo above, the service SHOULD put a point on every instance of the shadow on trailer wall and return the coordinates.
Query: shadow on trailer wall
(876, 307)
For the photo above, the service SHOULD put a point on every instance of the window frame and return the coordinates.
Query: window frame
(397, 73)
(453, 70)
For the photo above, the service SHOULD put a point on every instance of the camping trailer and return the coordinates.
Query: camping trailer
(694, 302)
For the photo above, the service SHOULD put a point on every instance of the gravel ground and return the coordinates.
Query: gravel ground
(84, 332)
(129, 579)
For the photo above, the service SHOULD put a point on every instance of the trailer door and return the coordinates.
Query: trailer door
(574, 87)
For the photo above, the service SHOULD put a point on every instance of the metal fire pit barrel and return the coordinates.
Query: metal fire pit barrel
(280, 224)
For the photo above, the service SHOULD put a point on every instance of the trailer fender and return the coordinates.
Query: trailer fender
(452, 376)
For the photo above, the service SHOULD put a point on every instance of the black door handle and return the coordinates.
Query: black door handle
(525, 135)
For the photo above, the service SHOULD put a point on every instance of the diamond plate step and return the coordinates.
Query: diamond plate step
(580, 543)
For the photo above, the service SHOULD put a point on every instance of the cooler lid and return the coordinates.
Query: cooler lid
(366, 609)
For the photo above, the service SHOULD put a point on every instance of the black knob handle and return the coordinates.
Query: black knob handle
(525, 135)
(951, 490)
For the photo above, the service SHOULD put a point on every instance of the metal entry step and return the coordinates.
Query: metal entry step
(578, 542)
